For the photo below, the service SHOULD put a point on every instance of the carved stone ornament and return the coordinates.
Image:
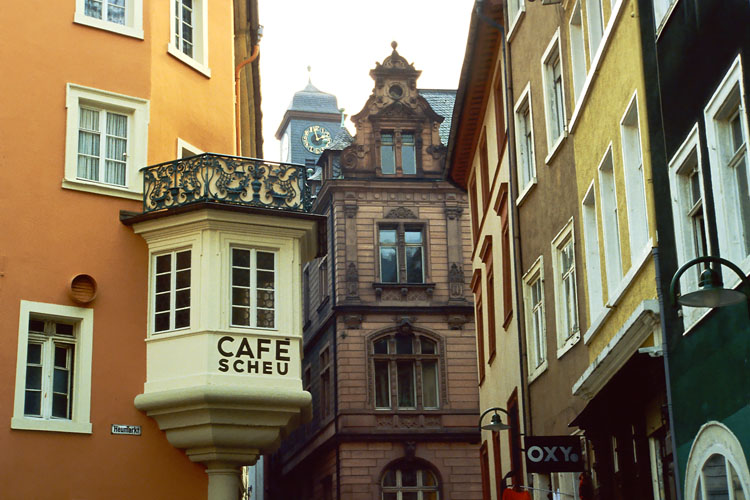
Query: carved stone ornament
(400, 213)
(456, 321)
(456, 281)
(352, 280)
(353, 321)
(437, 150)
(410, 447)
(453, 213)
(350, 211)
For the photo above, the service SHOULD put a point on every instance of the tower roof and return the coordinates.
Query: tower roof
(313, 100)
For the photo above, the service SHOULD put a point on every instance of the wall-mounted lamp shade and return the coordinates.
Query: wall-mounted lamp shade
(711, 293)
(496, 424)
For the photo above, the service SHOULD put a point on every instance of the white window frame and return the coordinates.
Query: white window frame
(635, 183)
(567, 335)
(730, 92)
(577, 51)
(199, 60)
(133, 26)
(610, 223)
(595, 25)
(715, 438)
(172, 291)
(137, 111)
(554, 104)
(536, 341)
(592, 253)
(680, 168)
(184, 146)
(516, 11)
(662, 11)
(523, 104)
(254, 287)
(83, 319)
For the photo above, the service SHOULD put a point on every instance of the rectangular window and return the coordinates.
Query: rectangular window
(525, 141)
(686, 185)
(515, 9)
(414, 256)
(595, 19)
(507, 278)
(53, 368)
(486, 256)
(484, 171)
(388, 256)
(119, 16)
(536, 343)
(325, 382)
(406, 384)
(401, 244)
(635, 186)
(429, 383)
(382, 385)
(592, 254)
(306, 294)
(323, 279)
(253, 288)
(400, 357)
(498, 465)
(473, 200)
(171, 299)
(727, 138)
(484, 461)
(566, 291)
(553, 92)
(188, 36)
(408, 155)
(480, 334)
(577, 51)
(610, 223)
(106, 139)
(102, 146)
(387, 154)
(499, 112)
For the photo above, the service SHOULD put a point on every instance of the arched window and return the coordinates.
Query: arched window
(409, 482)
(406, 371)
(717, 468)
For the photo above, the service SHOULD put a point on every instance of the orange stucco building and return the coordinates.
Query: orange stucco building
(92, 92)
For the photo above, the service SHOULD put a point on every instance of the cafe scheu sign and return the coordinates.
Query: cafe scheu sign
(545, 454)
(254, 355)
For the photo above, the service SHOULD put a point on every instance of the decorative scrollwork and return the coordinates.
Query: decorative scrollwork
(226, 179)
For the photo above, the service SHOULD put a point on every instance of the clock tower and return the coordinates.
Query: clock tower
(310, 123)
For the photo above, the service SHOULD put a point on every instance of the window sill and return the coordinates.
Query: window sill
(323, 303)
(506, 321)
(525, 191)
(537, 371)
(200, 68)
(514, 24)
(103, 189)
(39, 424)
(556, 147)
(568, 344)
(131, 31)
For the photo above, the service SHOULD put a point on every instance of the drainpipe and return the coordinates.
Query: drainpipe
(253, 57)
(507, 73)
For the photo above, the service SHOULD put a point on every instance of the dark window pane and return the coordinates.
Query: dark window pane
(162, 302)
(240, 277)
(265, 279)
(390, 496)
(381, 346)
(265, 319)
(388, 265)
(182, 318)
(406, 384)
(60, 406)
(183, 299)
(183, 279)
(409, 477)
(34, 354)
(36, 325)
(428, 346)
(61, 357)
(33, 403)
(390, 478)
(409, 495)
(240, 296)
(240, 316)
(33, 377)
(163, 263)
(382, 385)
(414, 272)
(240, 258)
(404, 344)
(265, 260)
(60, 381)
(265, 299)
(63, 329)
(183, 260)
(161, 322)
(428, 478)
(429, 384)
(163, 282)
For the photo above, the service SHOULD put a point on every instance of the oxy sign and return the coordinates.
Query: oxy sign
(545, 454)
(254, 355)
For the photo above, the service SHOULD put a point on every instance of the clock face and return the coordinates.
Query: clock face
(316, 139)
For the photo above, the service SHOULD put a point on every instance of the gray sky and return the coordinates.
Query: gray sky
(342, 39)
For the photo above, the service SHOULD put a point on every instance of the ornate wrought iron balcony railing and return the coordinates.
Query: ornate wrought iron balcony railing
(217, 178)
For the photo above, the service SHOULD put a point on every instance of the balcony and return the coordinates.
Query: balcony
(214, 178)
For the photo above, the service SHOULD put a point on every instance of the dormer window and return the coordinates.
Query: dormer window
(398, 152)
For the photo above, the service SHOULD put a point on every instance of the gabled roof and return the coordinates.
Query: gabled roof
(441, 101)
